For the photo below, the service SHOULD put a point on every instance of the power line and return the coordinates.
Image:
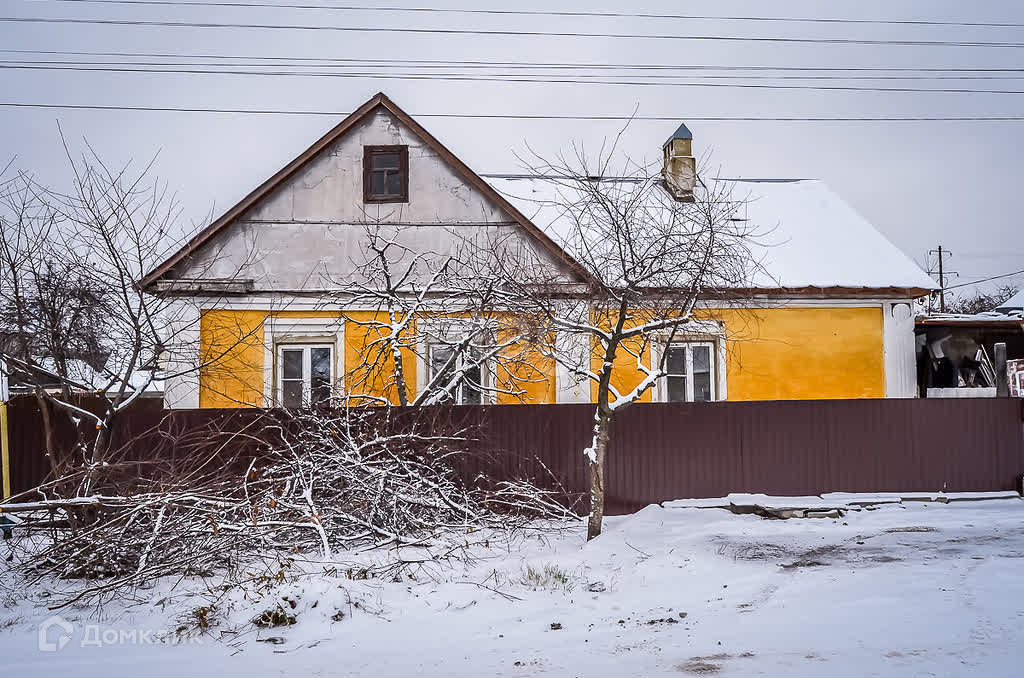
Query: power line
(508, 12)
(977, 282)
(444, 63)
(510, 33)
(166, 67)
(990, 255)
(514, 116)
(512, 79)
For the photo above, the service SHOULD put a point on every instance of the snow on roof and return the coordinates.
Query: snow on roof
(85, 374)
(1016, 302)
(808, 236)
(1010, 319)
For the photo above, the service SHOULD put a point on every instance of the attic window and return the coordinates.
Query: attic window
(385, 174)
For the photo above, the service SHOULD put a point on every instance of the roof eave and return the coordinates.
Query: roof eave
(1008, 324)
(823, 292)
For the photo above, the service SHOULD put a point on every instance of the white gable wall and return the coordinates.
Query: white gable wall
(309, 231)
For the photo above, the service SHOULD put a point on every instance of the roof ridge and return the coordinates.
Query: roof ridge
(335, 133)
(759, 180)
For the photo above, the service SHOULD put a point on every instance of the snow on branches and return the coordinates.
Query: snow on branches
(317, 483)
(650, 258)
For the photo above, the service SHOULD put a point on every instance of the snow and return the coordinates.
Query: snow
(769, 502)
(808, 236)
(710, 502)
(840, 500)
(984, 316)
(912, 589)
(1014, 303)
(81, 372)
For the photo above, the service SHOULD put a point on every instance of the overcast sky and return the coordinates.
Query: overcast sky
(921, 183)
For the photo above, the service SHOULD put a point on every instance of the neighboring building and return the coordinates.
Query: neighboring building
(832, 320)
(956, 352)
(1014, 304)
(84, 371)
(81, 376)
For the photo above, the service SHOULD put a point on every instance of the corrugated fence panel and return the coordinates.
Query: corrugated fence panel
(667, 451)
(27, 444)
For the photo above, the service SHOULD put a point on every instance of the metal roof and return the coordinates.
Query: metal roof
(683, 132)
(988, 319)
(1016, 302)
(802, 234)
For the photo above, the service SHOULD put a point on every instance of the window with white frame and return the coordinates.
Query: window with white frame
(444, 362)
(305, 374)
(691, 372)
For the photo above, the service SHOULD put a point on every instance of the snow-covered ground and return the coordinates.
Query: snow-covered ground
(912, 589)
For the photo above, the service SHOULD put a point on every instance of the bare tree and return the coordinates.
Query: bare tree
(70, 262)
(448, 310)
(651, 256)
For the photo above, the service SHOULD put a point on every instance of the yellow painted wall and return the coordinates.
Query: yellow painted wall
(529, 377)
(358, 347)
(772, 354)
(231, 350)
(791, 353)
(625, 375)
(804, 353)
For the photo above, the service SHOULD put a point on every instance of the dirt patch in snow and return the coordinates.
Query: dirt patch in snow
(700, 668)
(704, 666)
(794, 557)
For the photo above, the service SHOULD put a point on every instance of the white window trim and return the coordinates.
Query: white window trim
(484, 373)
(322, 331)
(697, 333)
(690, 381)
(433, 331)
(307, 368)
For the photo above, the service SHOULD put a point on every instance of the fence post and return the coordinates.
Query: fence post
(1002, 381)
(5, 451)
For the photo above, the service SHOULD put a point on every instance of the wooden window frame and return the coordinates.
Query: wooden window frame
(459, 397)
(689, 344)
(307, 373)
(403, 168)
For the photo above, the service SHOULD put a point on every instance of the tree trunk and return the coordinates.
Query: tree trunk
(51, 453)
(399, 367)
(595, 471)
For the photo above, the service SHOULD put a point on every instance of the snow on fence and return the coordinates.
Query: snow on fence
(659, 451)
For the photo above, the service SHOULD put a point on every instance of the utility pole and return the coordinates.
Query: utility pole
(942, 276)
(942, 285)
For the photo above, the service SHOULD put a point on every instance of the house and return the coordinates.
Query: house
(83, 371)
(1014, 304)
(832, 319)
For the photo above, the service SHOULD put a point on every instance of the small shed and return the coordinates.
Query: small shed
(955, 351)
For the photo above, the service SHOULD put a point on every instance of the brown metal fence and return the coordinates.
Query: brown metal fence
(668, 451)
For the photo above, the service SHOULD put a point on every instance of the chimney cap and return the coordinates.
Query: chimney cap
(683, 132)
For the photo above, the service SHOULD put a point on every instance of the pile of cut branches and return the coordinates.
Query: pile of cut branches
(320, 483)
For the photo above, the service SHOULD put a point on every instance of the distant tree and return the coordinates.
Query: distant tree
(979, 302)
(57, 318)
(70, 262)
